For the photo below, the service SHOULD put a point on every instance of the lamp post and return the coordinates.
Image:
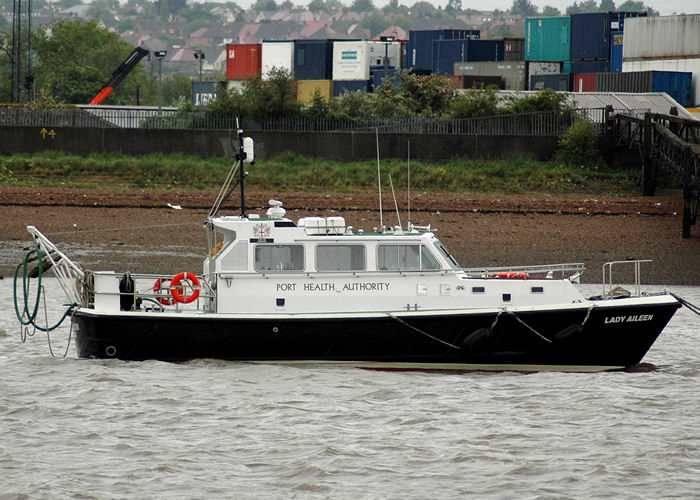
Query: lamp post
(387, 40)
(160, 55)
(199, 54)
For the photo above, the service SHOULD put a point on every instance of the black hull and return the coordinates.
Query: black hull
(526, 340)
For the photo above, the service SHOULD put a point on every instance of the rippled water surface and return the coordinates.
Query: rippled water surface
(105, 429)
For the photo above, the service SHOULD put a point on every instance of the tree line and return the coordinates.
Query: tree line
(404, 95)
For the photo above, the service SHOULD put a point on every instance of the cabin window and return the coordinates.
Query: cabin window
(279, 258)
(340, 257)
(537, 289)
(478, 289)
(446, 253)
(404, 257)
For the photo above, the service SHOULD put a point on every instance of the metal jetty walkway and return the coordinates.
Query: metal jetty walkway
(668, 143)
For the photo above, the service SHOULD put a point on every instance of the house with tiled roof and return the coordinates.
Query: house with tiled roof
(248, 32)
(396, 31)
(312, 27)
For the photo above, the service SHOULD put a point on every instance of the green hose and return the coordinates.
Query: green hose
(25, 317)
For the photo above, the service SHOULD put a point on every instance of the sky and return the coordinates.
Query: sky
(665, 7)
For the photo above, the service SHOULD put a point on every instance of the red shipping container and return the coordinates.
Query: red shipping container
(243, 60)
(585, 82)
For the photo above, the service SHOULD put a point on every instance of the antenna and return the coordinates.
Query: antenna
(408, 184)
(396, 205)
(379, 181)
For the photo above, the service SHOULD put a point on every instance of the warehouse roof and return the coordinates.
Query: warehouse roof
(656, 102)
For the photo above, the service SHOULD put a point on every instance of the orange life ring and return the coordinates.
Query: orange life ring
(511, 275)
(176, 288)
(163, 299)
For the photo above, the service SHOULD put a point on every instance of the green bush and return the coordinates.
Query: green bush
(579, 145)
(542, 100)
(475, 102)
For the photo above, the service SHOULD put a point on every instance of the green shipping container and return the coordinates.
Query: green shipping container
(547, 38)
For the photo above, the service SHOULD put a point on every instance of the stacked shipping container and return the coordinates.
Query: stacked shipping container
(313, 59)
(513, 49)
(350, 67)
(592, 35)
(513, 73)
(675, 83)
(277, 54)
(448, 52)
(668, 43)
(547, 46)
(419, 51)
(548, 39)
(243, 60)
(306, 89)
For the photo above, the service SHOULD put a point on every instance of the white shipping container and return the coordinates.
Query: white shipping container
(277, 55)
(513, 72)
(543, 68)
(688, 65)
(658, 37)
(350, 61)
(377, 50)
(237, 85)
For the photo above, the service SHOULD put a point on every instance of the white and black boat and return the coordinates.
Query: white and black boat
(315, 291)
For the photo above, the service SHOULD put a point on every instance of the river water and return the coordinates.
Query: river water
(110, 429)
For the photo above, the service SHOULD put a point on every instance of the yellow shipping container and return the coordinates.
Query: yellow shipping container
(306, 89)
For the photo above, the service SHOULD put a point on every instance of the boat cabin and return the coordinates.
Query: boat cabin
(320, 264)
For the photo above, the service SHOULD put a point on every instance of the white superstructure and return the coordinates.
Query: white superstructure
(273, 265)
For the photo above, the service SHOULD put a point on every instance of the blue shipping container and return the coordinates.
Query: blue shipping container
(591, 34)
(342, 86)
(590, 67)
(561, 82)
(203, 93)
(419, 51)
(448, 52)
(616, 52)
(313, 59)
(677, 84)
(380, 75)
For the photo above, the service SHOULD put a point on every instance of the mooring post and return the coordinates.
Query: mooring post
(609, 136)
(673, 125)
(688, 201)
(648, 181)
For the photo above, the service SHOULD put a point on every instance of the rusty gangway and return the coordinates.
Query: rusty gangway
(669, 144)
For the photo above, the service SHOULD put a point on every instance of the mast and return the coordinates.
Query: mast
(241, 157)
(245, 154)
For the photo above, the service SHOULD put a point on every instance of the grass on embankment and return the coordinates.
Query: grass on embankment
(290, 172)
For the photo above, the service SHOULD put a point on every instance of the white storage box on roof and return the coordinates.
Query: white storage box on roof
(349, 60)
(376, 51)
(277, 55)
(322, 225)
(684, 65)
(674, 37)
